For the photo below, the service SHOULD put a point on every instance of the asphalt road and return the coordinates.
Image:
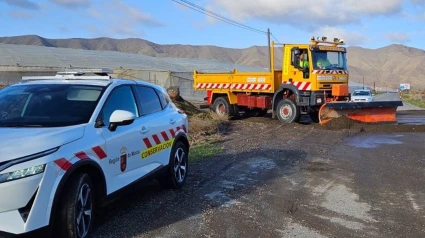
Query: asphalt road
(274, 180)
(396, 97)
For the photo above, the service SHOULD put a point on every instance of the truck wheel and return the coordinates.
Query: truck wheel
(77, 207)
(222, 107)
(287, 111)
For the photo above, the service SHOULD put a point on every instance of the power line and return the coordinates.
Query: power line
(275, 38)
(217, 16)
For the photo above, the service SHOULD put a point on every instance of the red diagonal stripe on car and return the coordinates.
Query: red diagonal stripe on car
(81, 155)
(156, 139)
(164, 135)
(147, 142)
(63, 164)
(184, 128)
(99, 152)
(173, 134)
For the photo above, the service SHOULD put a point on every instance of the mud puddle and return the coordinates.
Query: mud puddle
(373, 141)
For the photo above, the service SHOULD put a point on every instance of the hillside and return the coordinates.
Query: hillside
(387, 66)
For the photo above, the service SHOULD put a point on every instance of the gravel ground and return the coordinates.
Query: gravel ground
(293, 180)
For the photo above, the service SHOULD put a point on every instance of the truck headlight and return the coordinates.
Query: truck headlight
(318, 100)
(22, 173)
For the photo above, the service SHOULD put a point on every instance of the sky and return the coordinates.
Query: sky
(365, 23)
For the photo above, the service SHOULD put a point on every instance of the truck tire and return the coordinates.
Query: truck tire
(222, 107)
(287, 111)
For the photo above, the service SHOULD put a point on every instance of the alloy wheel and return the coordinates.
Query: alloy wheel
(180, 165)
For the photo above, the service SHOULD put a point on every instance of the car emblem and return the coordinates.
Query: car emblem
(123, 159)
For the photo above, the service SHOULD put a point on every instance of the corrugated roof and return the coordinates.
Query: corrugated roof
(24, 55)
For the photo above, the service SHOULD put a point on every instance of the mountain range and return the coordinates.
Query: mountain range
(385, 67)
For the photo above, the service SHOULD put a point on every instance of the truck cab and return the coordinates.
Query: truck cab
(309, 72)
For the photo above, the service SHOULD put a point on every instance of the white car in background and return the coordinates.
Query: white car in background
(71, 142)
(362, 95)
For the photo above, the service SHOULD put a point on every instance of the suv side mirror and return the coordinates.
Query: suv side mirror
(120, 118)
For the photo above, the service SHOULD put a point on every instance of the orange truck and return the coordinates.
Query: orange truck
(313, 80)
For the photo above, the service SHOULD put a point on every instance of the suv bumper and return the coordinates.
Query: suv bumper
(25, 203)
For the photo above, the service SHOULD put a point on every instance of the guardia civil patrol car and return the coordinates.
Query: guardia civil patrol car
(71, 142)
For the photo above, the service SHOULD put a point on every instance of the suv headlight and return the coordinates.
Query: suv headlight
(23, 173)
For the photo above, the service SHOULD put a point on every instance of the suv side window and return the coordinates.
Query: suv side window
(163, 98)
(148, 100)
(121, 98)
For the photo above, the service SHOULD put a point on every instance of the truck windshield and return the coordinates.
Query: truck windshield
(329, 60)
(47, 105)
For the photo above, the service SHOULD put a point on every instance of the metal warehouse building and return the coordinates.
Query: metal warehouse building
(22, 60)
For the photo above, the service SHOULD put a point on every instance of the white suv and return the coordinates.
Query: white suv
(71, 142)
(362, 95)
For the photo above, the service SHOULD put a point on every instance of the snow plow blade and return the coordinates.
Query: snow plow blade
(365, 112)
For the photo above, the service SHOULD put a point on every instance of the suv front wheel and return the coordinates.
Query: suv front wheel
(77, 207)
(176, 173)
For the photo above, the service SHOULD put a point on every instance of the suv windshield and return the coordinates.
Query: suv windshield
(331, 60)
(47, 105)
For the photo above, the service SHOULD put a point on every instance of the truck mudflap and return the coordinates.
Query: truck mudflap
(365, 112)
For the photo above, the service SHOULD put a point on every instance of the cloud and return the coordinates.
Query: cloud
(350, 37)
(126, 20)
(72, 3)
(21, 15)
(418, 2)
(397, 37)
(308, 14)
(25, 4)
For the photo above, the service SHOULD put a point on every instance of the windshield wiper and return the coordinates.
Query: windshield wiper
(336, 67)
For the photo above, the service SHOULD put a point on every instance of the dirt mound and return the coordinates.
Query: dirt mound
(340, 123)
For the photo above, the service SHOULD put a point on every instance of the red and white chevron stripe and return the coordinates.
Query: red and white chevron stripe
(213, 85)
(65, 164)
(163, 136)
(242, 86)
(251, 86)
(300, 85)
(100, 153)
(324, 71)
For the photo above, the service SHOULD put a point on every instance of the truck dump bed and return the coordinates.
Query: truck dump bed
(261, 82)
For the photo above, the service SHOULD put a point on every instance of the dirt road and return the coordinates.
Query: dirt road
(293, 180)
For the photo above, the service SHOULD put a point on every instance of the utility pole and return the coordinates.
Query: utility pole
(363, 82)
(270, 57)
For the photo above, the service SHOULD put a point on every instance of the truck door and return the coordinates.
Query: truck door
(296, 68)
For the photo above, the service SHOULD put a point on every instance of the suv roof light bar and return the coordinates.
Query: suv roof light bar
(101, 71)
(77, 74)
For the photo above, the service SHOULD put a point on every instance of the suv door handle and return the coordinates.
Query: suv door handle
(172, 121)
(144, 130)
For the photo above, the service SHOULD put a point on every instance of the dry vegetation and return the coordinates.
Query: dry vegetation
(416, 98)
(205, 130)
(204, 127)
